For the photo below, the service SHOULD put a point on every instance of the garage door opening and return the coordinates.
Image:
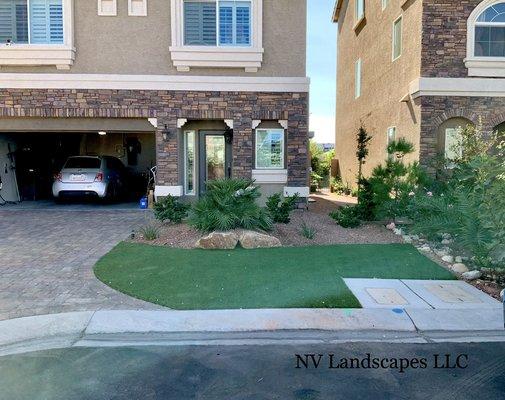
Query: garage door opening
(30, 161)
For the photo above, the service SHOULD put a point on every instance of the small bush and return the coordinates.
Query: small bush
(171, 209)
(308, 231)
(150, 232)
(347, 217)
(229, 204)
(279, 209)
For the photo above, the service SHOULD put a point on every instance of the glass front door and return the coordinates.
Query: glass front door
(215, 158)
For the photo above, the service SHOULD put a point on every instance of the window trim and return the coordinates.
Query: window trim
(248, 57)
(385, 4)
(186, 191)
(399, 19)
(61, 56)
(112, 13)
(481, 66)
(358, 78)
(283, 154)
(143, 13)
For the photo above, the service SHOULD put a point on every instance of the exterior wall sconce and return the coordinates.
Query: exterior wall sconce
(166, 133)
(228, 135)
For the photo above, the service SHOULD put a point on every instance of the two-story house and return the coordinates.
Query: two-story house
(418, 69)
(202, 89)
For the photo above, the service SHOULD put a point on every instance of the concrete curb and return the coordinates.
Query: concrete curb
(78, 326)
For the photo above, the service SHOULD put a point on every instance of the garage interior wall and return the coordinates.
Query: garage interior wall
(9, 190)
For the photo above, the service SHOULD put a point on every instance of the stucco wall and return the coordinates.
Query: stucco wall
(384, 82)
(140, 45)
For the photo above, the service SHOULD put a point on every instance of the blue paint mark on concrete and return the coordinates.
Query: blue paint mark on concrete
(398, 310)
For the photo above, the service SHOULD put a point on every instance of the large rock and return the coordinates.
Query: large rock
(218, 241)
(459, 268)
(472, 275)
(256, 240)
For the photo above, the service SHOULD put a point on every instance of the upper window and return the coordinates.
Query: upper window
(217, 23)
(490, 32)
(269, 148)
(397, 38)
(31, 21)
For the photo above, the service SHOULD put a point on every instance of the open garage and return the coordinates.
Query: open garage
(34, 150)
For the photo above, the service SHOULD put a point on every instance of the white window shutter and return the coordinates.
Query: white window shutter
(107, 8)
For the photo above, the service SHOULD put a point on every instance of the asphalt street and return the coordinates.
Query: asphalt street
(247, 372)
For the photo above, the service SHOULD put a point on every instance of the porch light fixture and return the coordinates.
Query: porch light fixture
(166, 133)
(228, 135)
(102, 133)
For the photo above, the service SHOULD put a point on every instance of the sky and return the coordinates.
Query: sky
(321, 68)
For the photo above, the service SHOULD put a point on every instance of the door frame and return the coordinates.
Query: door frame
(202, 150)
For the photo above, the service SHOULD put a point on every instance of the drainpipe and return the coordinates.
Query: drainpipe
(502, 294)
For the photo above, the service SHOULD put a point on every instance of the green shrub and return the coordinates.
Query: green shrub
(308, 231)
(150, 232)
(229, 204)
(347, 217)
(280, 209)
(170, 209)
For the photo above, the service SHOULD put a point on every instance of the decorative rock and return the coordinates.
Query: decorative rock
(446, 242)
(446, 236)
(407, 239)
(398, 232)
(391, 226)
(218, 241)
(415, 237)
(442, 252)
(459, 268)
(458, 259)
(425, 249)
(448, 259)
(472, 275)
(256, 240)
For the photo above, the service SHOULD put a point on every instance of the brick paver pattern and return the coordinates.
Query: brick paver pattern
(47, 259)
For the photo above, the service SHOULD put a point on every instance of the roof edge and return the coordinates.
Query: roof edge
(337, 9)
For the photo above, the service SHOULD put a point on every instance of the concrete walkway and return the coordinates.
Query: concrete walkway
(47, 256)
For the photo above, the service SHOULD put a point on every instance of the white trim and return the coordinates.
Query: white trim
(184, 57)
(155, 82)
(270, 175)
(181, 122)
(457, 87)
(104, 12)
(164, 191)
(255, 123)
(283, 123)
(153, 122)
(229, 123)
(300, 191)
(481, 66)
(61, 56)
(143, 10)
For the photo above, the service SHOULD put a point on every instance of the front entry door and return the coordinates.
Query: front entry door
(215, 158)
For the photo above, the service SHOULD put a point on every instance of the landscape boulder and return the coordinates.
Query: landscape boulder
(472, 275)
(218, 241)
(459, 268)
(256, 240)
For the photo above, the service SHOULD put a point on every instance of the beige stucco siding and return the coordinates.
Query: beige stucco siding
(384, 82)
(140, 45)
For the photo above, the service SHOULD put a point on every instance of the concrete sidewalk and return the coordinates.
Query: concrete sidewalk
(65, 330)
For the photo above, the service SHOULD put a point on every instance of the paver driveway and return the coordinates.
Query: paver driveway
(47, 256)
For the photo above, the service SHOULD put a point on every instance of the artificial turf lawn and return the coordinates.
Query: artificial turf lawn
(287, 277)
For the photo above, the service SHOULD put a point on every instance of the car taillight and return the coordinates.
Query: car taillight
(99, 177)
(57, 177)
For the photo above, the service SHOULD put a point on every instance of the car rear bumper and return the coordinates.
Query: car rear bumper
(98, 189)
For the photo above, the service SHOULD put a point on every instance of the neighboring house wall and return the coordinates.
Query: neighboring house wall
(384, 82)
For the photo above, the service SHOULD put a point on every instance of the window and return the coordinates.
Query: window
(384, 4)
(269, 148)
(357, 79)
(189, 163)
(31, 21)
(397, 38)
(137, 8)
(391, 138)
(107, 8)
(359, 11)
(490, 32)
(453, 149)
(202, 19)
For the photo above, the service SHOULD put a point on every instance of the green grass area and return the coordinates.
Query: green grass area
(288, 277)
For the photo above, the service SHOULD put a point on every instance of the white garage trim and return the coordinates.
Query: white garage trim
(270, 175)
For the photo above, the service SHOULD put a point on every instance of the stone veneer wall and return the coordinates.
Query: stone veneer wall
(167, 107)
(490, 111)
(444, 37)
